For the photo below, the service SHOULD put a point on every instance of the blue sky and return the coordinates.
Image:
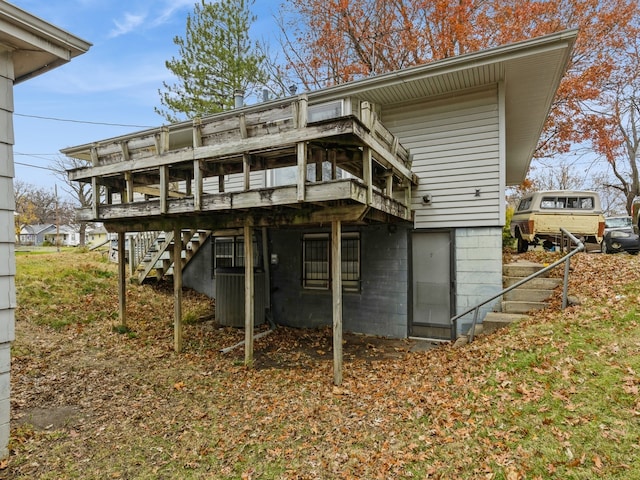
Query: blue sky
(115, 82)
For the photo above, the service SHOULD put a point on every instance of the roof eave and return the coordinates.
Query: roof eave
(37, 46)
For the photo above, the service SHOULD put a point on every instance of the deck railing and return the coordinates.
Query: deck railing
(173, 162)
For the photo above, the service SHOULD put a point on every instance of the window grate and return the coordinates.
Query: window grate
(229, 252)
(317, 262)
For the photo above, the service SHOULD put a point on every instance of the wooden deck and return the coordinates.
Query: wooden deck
(203, 172)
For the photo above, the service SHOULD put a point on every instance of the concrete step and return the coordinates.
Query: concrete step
(522, 269)
(539, 283)
(496, 320)
(522, 306)
(521, 294)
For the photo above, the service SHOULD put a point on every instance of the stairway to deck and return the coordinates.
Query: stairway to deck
(157, 261)
(515, 304)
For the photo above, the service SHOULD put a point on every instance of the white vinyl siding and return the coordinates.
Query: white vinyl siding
(234, 182)
(455, 144)
(7, 244)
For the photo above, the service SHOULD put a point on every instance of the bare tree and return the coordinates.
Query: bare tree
(80, 192)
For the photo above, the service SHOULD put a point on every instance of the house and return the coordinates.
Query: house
(64, 236)
(50, 234)
(34, 235)
(29, 47)
(96, 235)
(376, 206)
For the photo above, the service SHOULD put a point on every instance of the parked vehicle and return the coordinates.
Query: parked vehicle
(635, 212)
(620, 236)
(540, 215)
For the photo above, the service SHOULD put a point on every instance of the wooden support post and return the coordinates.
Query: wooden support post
(188, 187)
(334, 163)
(128, 177)
(248, 294)
(124, 147)
(243, 126)
(95, 199)
(177, 290)
(164, 188)
(197, 185)
(301, 111)
(266, 265)
(122, 281)
(162, 140)
(246, 171)
(318, 161)
(367, 175)
(197, 132)
(388, 176)
(220, 178)
(407, 195)
(365, 114)
(336, 279)
(132, 253)
(302, 169)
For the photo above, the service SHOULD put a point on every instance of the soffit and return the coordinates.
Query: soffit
(529, 72)
(36, 46)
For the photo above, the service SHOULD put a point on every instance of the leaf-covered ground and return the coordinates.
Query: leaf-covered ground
(555, 396)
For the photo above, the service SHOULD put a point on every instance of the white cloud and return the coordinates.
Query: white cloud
(163, 15)
(170, 8)
(129, 23)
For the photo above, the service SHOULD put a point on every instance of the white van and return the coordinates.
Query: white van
(540, 215)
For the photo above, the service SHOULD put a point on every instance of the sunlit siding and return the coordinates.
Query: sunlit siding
(456, 144)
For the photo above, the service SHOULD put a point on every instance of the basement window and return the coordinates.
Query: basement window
(316, 261)
(229, 252)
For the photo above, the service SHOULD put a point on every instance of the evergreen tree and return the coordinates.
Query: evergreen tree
(216, 58)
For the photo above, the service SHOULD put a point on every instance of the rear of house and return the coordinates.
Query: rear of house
(408, 170)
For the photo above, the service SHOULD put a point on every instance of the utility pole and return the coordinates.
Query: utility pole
(57, 221)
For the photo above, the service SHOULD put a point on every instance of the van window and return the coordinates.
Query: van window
(577, 203)
(525, 204)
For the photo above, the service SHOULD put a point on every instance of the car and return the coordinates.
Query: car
(620, 236)
(540, 215)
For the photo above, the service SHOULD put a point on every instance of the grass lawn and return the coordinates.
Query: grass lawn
(555, 396)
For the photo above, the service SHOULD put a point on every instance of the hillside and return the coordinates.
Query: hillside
(553, 397)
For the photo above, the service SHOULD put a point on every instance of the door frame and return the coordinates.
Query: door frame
(452, 272)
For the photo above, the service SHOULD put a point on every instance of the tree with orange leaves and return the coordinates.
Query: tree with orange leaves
(333, 41)
(616, 125)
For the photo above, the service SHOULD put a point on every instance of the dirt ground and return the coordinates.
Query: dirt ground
(283, 348)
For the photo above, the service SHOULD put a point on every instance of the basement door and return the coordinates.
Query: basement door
(432, 286)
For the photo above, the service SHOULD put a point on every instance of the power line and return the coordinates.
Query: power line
(35, 166)
(82, 121)
(35, 155)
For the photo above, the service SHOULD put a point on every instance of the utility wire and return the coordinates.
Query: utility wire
(35, 166)
(82, 121)
(39, 156)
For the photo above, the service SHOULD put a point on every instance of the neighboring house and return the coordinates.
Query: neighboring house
(34, 235)
(405, 171)
(65, 236)
(29, 46)
(96, 235)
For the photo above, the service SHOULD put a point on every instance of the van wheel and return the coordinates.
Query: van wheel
(523, 245)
